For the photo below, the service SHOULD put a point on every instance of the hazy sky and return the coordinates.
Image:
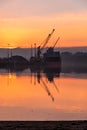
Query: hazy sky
(26, 8)
(27, 18)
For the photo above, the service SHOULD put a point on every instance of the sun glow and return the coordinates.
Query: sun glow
(22, 32)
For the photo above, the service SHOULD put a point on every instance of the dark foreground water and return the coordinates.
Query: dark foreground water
(46, 125)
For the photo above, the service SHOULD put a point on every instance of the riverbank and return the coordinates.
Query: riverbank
(43, 125)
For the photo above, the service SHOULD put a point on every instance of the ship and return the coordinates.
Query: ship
(52, 59)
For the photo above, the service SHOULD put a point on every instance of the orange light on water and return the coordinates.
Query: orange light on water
(21, 93)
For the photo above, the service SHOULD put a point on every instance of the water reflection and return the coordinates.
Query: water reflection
(40, 77)
(48, 77)
(42, 95)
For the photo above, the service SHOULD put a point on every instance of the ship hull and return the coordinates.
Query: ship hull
(53, 65)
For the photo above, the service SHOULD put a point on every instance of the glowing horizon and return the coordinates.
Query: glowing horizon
(23, 23)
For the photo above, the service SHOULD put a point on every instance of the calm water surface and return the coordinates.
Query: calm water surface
(43, 96)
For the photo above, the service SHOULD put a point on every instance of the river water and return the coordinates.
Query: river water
(43, 96)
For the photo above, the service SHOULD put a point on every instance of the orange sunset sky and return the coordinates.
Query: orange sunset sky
(25, 22)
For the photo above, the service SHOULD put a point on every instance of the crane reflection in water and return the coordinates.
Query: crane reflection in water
(49, 77)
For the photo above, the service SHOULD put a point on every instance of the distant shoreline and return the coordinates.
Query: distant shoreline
(26, 52)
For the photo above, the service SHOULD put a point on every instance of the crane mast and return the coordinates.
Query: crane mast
(39, 49)
(56, 42)
(48, 38)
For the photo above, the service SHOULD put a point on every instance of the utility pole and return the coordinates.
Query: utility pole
(11, 52)
(35, 49)
(8, 50)
(31, 50)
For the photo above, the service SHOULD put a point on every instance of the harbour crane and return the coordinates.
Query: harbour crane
(39, 49)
